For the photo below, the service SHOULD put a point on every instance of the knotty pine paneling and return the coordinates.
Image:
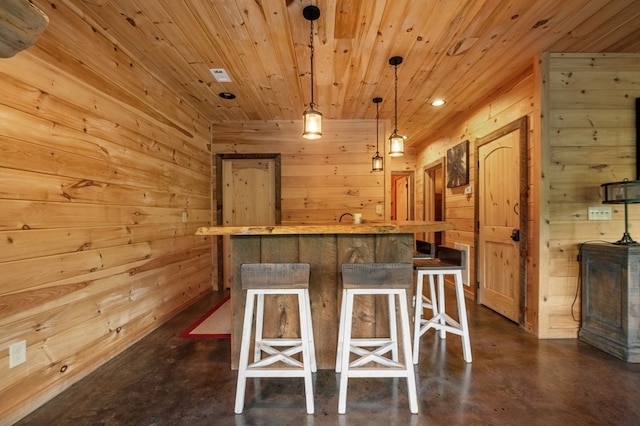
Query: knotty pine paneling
(99, 161)
(588, 112)
(321, 179)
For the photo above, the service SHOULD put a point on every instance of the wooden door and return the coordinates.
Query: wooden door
(500, 208)
(248, 193)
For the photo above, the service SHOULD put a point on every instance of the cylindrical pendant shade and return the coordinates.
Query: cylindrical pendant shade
(396, 145)
(312, 124)
(377, 163)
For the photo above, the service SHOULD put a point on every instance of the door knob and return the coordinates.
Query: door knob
(515, 235)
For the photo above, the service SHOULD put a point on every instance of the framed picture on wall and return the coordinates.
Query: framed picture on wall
(458, 165)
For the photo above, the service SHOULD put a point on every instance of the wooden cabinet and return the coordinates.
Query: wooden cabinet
(611, 299)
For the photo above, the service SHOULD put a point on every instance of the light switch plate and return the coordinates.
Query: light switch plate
(599, 213)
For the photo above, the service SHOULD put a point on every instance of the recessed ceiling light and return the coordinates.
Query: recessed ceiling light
(438, 102)
(227, 95)
(220, 74)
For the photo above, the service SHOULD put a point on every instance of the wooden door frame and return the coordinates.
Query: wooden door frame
(278, 201)
(520, 125)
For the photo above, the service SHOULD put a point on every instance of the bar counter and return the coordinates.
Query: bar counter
(325, 247)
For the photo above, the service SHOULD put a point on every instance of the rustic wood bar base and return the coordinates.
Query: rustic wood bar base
(325, 248)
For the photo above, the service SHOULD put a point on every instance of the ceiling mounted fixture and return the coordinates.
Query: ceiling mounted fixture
(396, 141)
(312, 119)
(227, 95)
(438, 102)
(220, 74)
(377, 161)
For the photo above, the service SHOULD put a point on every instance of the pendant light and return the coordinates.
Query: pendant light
(312, 119)
(377, 161)
(396, 141)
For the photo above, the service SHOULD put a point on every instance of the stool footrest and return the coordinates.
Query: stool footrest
(280, 342)
(275, 372)
(378, 372)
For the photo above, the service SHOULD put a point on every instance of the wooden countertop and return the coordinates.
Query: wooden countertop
(391, 227)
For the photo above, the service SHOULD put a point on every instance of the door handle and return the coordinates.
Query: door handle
(515, 235)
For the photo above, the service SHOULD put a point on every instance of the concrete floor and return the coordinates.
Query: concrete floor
(515, 379)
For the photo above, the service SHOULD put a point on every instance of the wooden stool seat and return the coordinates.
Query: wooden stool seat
(449, 262)
(390, 279)
(285, 357)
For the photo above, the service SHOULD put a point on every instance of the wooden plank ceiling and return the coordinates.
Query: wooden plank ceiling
(458, 50)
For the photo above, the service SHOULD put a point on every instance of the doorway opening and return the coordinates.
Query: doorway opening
(402, 202)
(434, 198)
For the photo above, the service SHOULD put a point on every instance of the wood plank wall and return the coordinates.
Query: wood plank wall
(321, 179)
(588, 117)
(98, 163)
(514, 101)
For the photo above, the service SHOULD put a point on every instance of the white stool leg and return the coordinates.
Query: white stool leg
(462, 317)
(406, 343)
(434, 297)
(417, 315)
(393, 327)
(341, 326)
(306, 355)
(312, 345)
(442, 321)
(244, 352)
(345, 321)
(257, 352)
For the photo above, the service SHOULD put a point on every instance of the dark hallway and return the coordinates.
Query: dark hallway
(514, 379)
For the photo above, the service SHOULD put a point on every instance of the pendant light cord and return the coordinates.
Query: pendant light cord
(395, 67)
(312, 104)
(377, 125)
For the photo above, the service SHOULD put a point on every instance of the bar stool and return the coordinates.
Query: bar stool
(449, 261)
(390, 279)
(260, 279)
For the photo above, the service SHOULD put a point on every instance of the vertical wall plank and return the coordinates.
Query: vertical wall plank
(320, 251)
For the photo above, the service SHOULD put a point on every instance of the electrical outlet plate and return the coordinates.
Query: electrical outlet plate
(185, 217)
(17, 353)
(378, 209)
(599, 213)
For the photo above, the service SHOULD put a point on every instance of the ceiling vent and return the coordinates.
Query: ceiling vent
(220, 74)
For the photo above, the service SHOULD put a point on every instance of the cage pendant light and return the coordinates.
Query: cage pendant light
(377, 161)
(396, 141)
(312, 119)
